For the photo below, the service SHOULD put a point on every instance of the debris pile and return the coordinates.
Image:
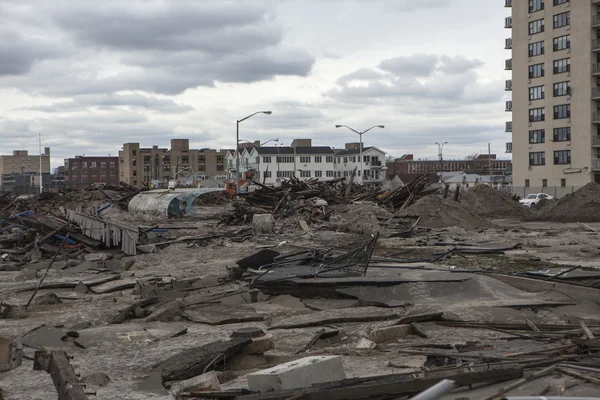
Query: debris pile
(581, 206)
(436, 212)
(491, 203)
(310, 199)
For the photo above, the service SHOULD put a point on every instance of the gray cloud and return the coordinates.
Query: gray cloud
(413, 5)
(449, 81)
(414, 65)
(154, 46)
(19, 52)
(114, 102)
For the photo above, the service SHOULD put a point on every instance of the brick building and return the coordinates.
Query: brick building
(139, 165)
(83, 171)
(481, 164)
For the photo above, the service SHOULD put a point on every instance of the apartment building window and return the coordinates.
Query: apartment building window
(345, 174)
(94, 165)
(536, 26)
(219, 158)
(536, 5)
(537, 158)
(562, 134)
(285, 160)
(167, 159)
(84, 164)
(559, 2)
(185, 159)
(267, 174)
(345, 160)
(318, 159)
(536, 92)
(544, 182)
(147, 159)
(562, 111)
(329, 159)
(562, 43)
(526, 182)
(329, 174)
(562, 65)
(562, 157)
(536, 71)
(537, 114)
(537, 136)
(166, 168)
(220, 168)
(201, 167)
(267, 160)
(103, 164)
(563, 182)
(318, 174)
(562, 19)
(201, 159)
(285, 174)
(536, 49)
(305, 159)
(562, 89)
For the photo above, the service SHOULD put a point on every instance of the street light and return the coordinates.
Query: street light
(237, 148)
(361, 144)
(440, 152)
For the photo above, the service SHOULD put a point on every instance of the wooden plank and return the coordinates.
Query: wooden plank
(123, 314)
(586, 330)
(114, 286)
(358, 314)
(63, 375)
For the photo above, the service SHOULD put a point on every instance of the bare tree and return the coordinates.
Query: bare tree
(472, 156)
(390, 158)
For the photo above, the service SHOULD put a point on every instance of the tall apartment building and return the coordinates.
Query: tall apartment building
(83, 171)
(139, 165)
(21, 171)
(555, 93)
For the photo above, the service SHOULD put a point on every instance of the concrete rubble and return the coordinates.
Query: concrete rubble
(312, 290)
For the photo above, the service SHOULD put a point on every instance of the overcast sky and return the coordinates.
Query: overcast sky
(90, 76)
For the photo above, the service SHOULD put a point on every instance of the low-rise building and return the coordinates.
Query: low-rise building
(478, 165)
(20, 171)
(140, 165)
(305, 161)
(85, 171)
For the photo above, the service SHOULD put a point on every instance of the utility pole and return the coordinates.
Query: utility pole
(490, 161)
(360, 149)
(41, 186)
(441, 157)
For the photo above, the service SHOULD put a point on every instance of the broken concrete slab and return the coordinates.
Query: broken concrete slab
(208, 382)
(220, 315)
(44, 338)
(109, 287)
(263, 223)
(260, 345)
(329, 304)
(297, 374)
(99, 379)
(11, 353)
(153, 383)
(366, 344)
(166, 312)
(390, 333)
(243, 362)
(358, 314)
(46, 299)
(193, 361)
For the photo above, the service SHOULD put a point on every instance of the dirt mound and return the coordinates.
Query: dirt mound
(436, 212)
(491, 203)
(581, 206)
(361, 217)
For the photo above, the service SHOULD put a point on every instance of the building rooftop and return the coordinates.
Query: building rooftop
(352, 152)
(298, 151)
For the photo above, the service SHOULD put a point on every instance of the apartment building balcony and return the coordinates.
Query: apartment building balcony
(508, 64)
(596, 20)
(595, 1)
(509, 147)
(596, 69)
(376, 164)
(595, 164)
(596, 141)
(508, 85)
(596, 93)
(508, 43)
(508, 126)
(509, 106)
(508, 3)
(508, 22)
(596, 118)
(595, 45)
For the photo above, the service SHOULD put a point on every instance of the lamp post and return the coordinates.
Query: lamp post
(237, 148)
(361, 144)
(440, 152)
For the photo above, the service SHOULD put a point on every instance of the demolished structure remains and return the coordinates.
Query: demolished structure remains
(308, 290)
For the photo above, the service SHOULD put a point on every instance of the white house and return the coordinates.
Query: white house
(304, 161)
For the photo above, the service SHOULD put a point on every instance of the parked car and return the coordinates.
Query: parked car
(532, 199)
